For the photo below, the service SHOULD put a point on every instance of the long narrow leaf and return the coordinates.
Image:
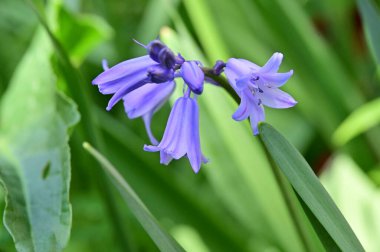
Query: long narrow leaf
(371, 19)
(162, 239)
(308, 187)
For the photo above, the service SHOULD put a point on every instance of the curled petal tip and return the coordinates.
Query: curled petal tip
(150, 148)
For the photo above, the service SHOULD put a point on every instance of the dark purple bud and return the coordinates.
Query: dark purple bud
(167, 58)
(159, 74)
(154, 48)
(193, 75)
(218, 67)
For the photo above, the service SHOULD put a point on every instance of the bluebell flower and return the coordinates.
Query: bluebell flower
(145, 101)
(258, 86)
(156, 67)
(181, 135)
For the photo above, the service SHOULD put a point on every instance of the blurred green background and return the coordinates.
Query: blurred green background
(234, 203)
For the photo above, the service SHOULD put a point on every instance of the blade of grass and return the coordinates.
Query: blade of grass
(361, 120)
(162, 239)
(371, 18)
(308, 187)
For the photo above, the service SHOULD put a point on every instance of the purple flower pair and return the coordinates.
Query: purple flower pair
(146, 83)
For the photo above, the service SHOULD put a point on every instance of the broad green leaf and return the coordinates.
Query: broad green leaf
(361, 206)
(162, 239)
(361, 120)
(309, 189)
(34, 153)
(80, 33)
(371, 18)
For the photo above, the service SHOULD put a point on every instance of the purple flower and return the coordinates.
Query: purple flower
(145, 101)
(181, 135)
(145, 84)
(123, 78)
(258, 86)
(156, 67)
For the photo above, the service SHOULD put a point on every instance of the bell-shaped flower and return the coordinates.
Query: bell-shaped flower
(145, 101)
(193, 75)
(123, 78)
(156, 67)
(258, 86)
(181, 135)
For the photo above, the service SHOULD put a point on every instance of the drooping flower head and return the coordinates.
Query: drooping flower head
(181, 135)
(156, 67)
(258, 86)
(146, 83)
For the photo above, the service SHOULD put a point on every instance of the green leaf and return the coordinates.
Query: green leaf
(309, 189)
(359, 121)
(162, 239)
(34, 153)
(80, 34)
(371, 18)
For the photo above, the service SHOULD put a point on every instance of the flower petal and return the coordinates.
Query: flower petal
(235, 69)
(243, 111)
(149, 97)
(194, 152)
(273, 64)
(257, 115)
(130, 85)
(179, 144)
(276, 98)
(165, 158)
(123, 69)
(276, 79)
(115, 85)
(193, 75)
(147, 119)
(172, 128)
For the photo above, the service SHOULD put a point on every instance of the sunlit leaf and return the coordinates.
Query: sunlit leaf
(360, 206)
(361, 120)
(34, 153)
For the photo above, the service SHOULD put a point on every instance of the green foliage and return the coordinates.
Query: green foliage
(361, 206)
(236, 202)
(371, 18)
(308, 187)
(162, 239)
(35, 157)
(358, 122)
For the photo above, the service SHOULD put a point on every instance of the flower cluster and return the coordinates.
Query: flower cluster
(146, 83)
